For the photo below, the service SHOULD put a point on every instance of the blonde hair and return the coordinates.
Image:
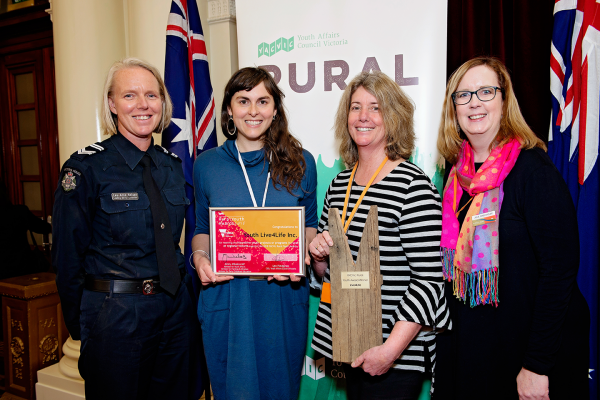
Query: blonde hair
(108, 120)
(512, 123)
(396, 108)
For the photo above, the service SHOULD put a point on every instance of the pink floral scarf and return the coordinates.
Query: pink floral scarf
(470, 256)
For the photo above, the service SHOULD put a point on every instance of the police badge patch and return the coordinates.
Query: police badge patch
(69, 181)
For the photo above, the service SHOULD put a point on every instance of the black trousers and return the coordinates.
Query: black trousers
(393, 385)
(138, 347)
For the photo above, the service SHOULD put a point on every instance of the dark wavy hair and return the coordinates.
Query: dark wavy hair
(282, 149)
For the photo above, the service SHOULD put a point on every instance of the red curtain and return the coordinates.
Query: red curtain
(519, 33)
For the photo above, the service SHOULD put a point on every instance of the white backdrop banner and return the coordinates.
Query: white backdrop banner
(314, 48)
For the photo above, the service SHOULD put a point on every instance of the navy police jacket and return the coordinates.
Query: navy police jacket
(102, 223)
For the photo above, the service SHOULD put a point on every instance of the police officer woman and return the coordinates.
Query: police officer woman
(118, 216)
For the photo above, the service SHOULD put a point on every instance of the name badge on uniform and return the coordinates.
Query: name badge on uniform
(125, 196)
(485, 218)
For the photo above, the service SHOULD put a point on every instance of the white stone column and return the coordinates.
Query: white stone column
(224, 53)
(146, 27)
(62, 381)
(68, 365)
(88, 37)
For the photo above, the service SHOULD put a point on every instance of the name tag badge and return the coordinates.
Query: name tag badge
(125, 196)
(484, 218)
(355, 280)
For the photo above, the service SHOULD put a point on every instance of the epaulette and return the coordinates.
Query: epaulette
(175, 156)
(88, 151)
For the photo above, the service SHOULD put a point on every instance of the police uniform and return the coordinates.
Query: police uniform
(136, 343)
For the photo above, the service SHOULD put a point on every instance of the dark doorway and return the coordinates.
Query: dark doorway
(29, 162)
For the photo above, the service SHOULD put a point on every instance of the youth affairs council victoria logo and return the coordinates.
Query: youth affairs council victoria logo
(280, 44)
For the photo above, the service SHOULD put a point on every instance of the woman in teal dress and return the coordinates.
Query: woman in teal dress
(254, 330)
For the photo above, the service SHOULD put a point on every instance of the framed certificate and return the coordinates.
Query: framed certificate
(257, 241)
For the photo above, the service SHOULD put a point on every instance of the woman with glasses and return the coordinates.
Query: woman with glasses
(510, 250)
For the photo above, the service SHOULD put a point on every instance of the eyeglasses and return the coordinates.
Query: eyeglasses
(484, 94)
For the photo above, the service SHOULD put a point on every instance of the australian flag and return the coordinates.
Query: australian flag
(574, 138)
(192, 128)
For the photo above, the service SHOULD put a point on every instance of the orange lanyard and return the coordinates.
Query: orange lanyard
(455, 184)
(349, 189)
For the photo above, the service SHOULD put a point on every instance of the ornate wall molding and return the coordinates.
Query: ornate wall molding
(221, 10)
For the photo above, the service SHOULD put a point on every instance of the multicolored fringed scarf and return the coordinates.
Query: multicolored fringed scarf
(470, 257)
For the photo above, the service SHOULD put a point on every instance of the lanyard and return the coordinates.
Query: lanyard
(455, 187)
(349, 189)
(248, 180)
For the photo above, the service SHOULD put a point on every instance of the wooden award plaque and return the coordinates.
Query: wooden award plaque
(355, 290)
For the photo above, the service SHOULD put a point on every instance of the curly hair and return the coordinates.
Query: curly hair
(512, 124)
(396, 108)
(282, 149)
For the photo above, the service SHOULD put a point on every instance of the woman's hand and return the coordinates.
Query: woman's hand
(319, 247)
(319, 251)
(532, 386)
(377, 360)
(205, 272)
(292, 277)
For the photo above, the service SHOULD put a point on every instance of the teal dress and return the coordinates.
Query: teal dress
(254, 332)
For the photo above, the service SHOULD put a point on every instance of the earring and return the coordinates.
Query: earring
(232, 134)
(274, 117)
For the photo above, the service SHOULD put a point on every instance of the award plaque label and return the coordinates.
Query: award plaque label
(257, 241)
(355, 280)
(354, 313)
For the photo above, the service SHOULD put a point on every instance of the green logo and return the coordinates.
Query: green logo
(266, 49)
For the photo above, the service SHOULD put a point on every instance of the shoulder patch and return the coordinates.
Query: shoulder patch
(88, 151)
(69, 179)
(160, 148)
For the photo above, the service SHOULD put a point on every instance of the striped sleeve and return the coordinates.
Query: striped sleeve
(420, 231)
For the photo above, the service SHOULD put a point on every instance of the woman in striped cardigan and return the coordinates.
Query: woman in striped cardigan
(374, 123)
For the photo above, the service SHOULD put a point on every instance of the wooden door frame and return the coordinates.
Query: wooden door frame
(40, 63)
(22, 31)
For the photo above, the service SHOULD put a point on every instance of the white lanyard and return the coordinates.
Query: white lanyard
(248, 180)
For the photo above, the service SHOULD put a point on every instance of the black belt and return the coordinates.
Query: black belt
(143, 286)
